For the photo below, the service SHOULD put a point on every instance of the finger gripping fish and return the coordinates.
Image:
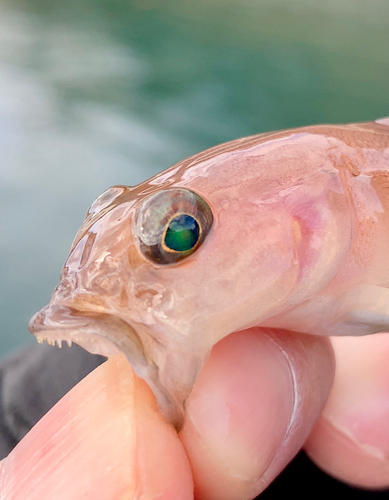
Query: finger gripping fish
(286, 230)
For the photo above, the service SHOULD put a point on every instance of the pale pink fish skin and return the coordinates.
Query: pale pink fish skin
(299, 241)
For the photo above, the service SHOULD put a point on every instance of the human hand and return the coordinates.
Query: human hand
(253, 406)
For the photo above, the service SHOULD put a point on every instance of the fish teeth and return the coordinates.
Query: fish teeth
(54, 342)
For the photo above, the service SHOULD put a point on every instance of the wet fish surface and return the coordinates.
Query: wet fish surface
(287, 230)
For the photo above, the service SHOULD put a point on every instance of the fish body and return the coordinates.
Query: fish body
(287, 230)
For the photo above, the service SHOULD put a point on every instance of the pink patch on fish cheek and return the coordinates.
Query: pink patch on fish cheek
(310, 223)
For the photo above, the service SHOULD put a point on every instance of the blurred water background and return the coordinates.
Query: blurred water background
(101, 92)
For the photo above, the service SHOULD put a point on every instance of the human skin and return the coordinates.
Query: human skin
(253, 406)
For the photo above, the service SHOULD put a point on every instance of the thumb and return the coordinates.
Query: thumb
(252, 408)
(104, 440)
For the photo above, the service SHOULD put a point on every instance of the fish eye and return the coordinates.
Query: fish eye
(172, 224)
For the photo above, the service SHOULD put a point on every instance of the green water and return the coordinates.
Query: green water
(96, 93)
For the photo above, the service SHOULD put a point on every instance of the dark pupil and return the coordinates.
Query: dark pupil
(182, 233)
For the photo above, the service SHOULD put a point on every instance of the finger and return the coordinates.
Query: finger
(351, 440)
(104, 440)
(252, 408)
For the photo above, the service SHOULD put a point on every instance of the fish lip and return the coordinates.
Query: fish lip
(97, 332)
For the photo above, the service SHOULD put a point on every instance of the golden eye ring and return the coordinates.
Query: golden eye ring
(172, 224)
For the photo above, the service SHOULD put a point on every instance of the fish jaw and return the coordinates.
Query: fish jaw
(170, 373)
(98, 333)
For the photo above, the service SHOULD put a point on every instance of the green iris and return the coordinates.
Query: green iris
(172, 224)
(182, 233)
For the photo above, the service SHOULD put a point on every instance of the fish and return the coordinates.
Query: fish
(285, 230)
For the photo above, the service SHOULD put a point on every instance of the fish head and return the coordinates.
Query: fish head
(218, 243)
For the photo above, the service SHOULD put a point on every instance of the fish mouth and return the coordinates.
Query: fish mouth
(106, 334)
(97, 332)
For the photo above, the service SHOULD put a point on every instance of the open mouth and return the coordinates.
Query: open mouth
(107, 334)
(98, 333)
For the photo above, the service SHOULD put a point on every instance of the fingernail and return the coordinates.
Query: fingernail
(358, 406)
(242, 404)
